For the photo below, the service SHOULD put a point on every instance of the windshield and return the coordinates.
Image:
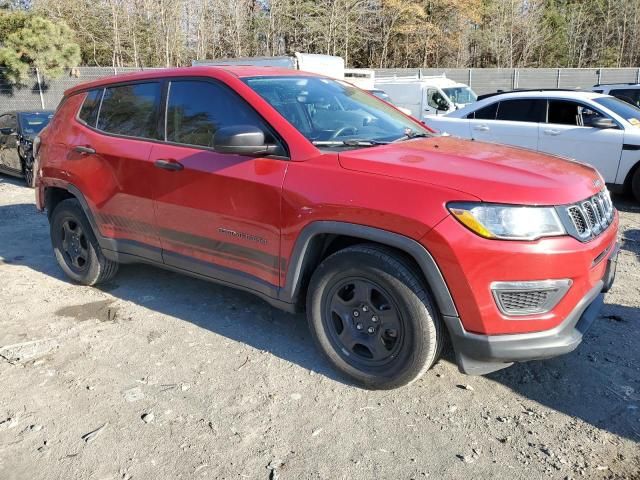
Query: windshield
(325, 110)
(33, 123)
(460, 95)
(381, 95)
(627, 111)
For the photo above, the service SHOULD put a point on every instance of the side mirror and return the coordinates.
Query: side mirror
(7, 131)
(602, 122)
(243, 140)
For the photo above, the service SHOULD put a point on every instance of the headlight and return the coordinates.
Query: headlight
(36, 145)
(508, 222)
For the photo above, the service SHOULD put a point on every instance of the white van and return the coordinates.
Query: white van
(426, 96)
(364, 78)
(328, 65)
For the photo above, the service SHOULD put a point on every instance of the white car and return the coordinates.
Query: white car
(589, 127)
(629, 92)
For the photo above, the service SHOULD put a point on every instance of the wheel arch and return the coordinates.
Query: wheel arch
(322, 238)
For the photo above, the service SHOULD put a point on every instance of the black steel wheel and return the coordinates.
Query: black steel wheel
(363, 322)
(75, 245)
(372, 316)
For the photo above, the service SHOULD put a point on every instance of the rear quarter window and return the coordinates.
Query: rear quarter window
(89, 110)
(131, 110)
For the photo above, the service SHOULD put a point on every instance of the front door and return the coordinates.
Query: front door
(218, 214)
(568, 133)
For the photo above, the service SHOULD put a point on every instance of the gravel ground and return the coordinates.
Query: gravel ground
(160, 376)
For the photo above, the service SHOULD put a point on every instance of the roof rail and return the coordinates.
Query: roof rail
(615, 83)
(517, 90)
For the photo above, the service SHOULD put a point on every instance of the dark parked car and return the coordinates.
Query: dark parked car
(17, 132)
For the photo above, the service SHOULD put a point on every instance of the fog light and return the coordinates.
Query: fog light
(529, 298)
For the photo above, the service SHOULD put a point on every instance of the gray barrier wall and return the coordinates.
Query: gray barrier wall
(46, 94)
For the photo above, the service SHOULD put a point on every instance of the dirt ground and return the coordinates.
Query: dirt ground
(160, 376)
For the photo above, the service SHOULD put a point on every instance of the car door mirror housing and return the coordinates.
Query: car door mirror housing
(603, 123)
(243, 140)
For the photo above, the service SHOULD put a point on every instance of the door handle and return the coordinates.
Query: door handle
(172, 165)
(84, 149)
(481, 128)
(552, 132)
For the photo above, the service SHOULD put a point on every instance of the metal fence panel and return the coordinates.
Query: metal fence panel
(537, 78)
(48, 93)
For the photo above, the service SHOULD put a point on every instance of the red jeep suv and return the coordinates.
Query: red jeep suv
(314, 194)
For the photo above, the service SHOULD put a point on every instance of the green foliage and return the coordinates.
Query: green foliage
(30, 42)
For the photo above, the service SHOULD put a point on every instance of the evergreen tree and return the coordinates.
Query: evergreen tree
(35, 43)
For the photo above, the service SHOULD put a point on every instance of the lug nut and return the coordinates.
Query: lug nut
(359, 326)
(374, 319)
(365, 308)
(371, 330)
(356, 313)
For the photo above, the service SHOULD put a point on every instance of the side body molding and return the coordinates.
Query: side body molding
(306, 250)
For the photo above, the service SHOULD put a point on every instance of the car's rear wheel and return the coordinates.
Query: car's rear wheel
(372, 316)
(75, 245)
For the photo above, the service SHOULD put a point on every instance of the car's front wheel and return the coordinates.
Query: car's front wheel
(373, 318)
(635, 184)
(27, 170)
(75, 246)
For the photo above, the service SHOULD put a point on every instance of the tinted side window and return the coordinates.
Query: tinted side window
(629, 95)
(131, 110)
(522, 110)
(485, 113)
(197, 109)
(563, 112)
(89, 111)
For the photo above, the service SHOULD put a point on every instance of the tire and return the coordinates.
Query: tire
(75, 246)
(27, 171)
(635, 184)
(379, 289)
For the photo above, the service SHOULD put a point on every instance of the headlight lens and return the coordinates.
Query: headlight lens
(36, 145)
(508, 222)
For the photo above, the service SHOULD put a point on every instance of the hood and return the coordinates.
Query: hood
(490, 172)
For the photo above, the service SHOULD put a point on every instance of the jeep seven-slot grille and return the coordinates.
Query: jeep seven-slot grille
(592, 216)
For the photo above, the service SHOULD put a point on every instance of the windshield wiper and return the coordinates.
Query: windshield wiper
(412, 135)
(348, 143)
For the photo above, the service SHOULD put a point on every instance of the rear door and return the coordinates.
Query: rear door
(510, 122)
(218, 214)
(9, 157)
(110, 158)
(568, 133)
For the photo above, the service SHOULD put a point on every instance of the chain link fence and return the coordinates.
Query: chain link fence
(43, 94)
(40, 93)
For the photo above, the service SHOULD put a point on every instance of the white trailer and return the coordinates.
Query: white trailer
(328, 65)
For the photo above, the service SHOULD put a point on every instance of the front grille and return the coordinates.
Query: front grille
(587, 219)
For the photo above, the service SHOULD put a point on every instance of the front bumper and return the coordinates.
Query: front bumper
(480, 354)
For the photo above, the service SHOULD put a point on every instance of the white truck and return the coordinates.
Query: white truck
(427, 96)
(328, 65)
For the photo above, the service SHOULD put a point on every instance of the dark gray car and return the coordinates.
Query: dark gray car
(17, 132)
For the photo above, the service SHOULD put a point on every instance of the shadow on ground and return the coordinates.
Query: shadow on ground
(598, 383)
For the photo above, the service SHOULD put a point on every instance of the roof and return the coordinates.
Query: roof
(240, 71)
(553, 94)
